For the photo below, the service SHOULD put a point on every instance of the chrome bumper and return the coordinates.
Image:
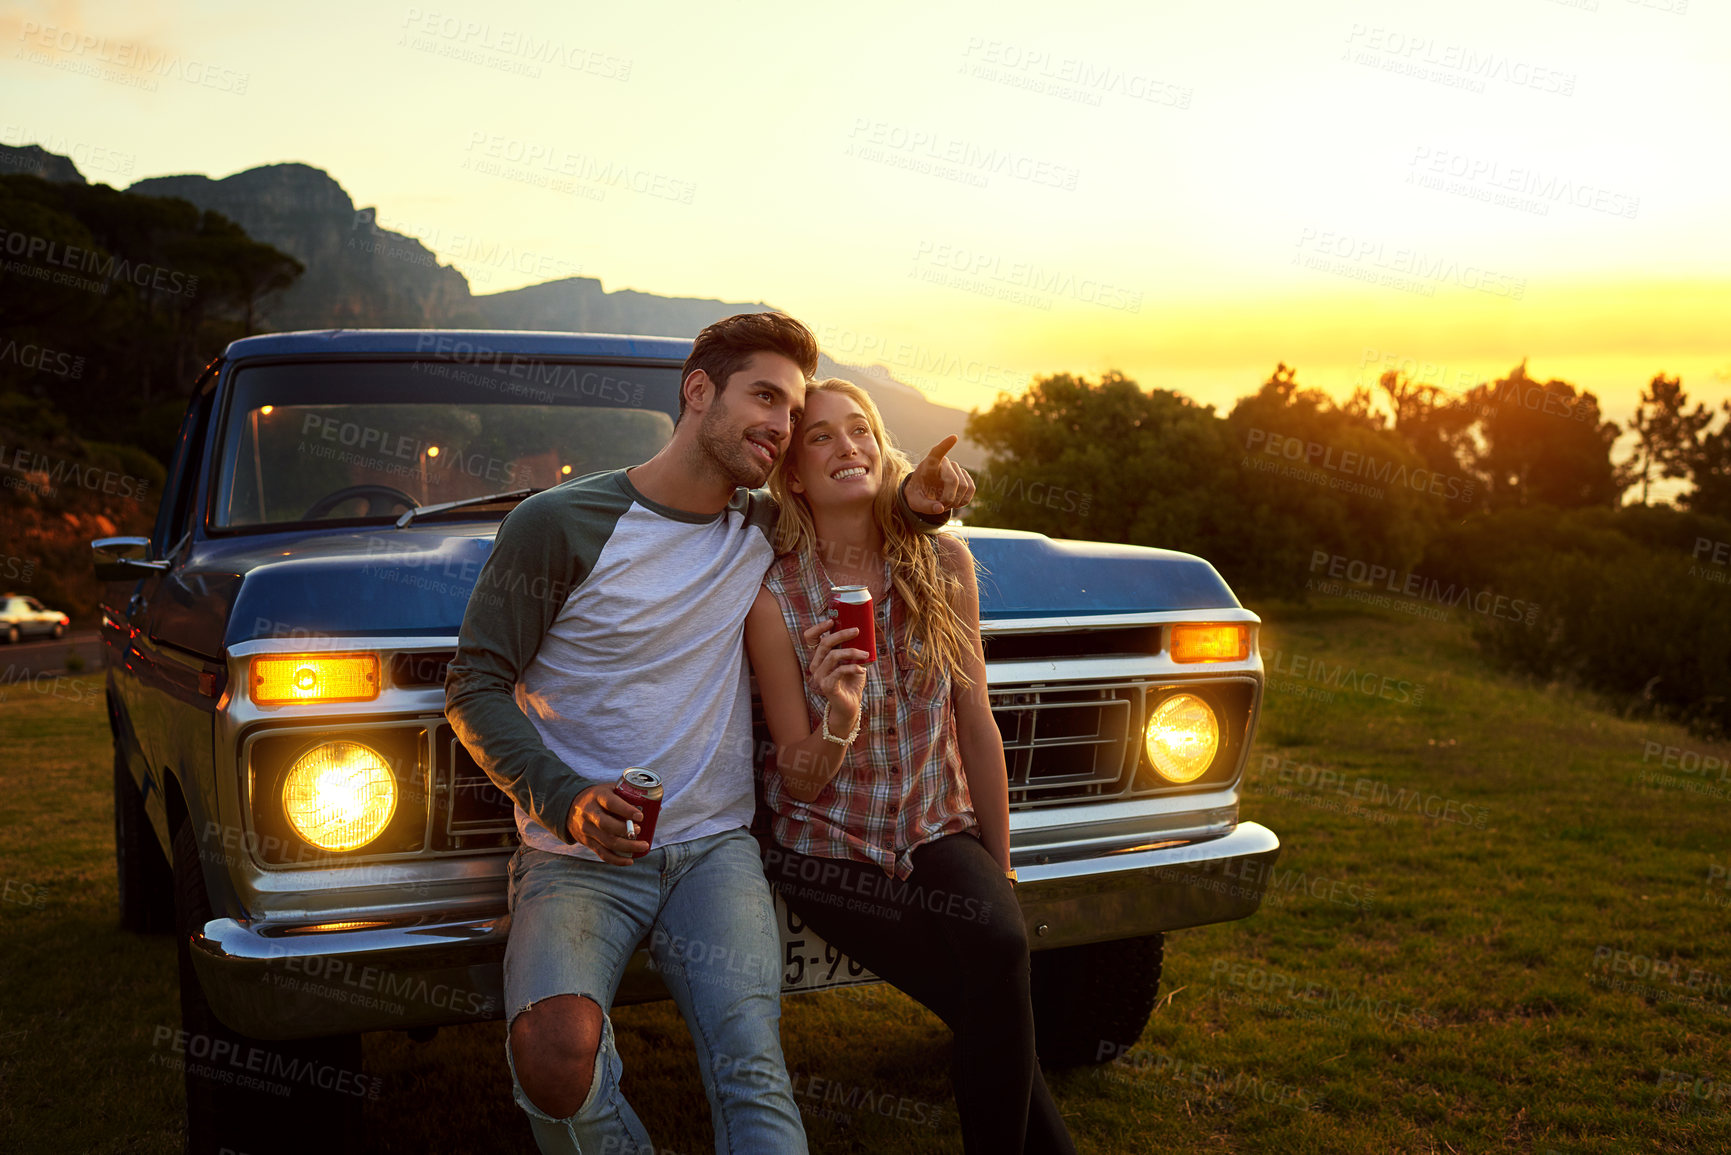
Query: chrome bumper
(296, 982)
(1135, 892)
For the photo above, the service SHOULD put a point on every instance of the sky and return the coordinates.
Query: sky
(971, 194)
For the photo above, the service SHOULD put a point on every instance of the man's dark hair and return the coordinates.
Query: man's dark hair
(724, 347)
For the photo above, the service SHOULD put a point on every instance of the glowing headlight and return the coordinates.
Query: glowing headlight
(339, 796)
(1182, 737)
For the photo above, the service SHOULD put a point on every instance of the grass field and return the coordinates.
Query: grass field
(1501, 922)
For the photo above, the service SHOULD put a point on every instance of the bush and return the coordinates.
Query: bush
(1625, 608)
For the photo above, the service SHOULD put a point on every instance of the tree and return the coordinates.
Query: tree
(1545, 444)
(1438, 428)
(1666, 433)
(131, 294)
(1708, 464)
(1105, 461)
(1315, 476)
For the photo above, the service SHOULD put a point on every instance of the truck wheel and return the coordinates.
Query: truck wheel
(146, 886)
(250, 1094)
(1091, 1002)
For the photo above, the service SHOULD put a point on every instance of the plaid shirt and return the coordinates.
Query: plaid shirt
(900, 784)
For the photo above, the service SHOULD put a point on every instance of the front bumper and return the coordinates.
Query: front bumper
(292, 981)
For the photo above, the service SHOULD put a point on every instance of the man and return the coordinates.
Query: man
(637, 659)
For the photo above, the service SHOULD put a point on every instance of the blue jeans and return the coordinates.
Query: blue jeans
(707, 914)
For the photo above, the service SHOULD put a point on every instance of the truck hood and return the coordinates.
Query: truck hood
(415, 582)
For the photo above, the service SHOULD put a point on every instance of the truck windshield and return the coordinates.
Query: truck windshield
(322, 441)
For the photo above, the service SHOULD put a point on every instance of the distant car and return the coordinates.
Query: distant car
(21, 616)
(290, 798)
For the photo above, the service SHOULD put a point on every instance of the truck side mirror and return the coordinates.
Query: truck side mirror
(123, 558)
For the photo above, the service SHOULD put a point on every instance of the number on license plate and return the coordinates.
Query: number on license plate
(808, 962)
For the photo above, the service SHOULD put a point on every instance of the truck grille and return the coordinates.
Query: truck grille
(1069, 742)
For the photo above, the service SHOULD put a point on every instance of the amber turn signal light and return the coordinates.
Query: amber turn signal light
(282, 679)
(1210, 643)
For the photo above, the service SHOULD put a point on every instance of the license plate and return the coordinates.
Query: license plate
(808, 962)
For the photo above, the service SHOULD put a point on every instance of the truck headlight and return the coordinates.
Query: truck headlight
(339, 795)
(1182, 738)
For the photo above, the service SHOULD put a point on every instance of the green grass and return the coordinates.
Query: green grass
(1482, 938)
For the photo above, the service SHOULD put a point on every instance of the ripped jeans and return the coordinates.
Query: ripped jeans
(706, 911)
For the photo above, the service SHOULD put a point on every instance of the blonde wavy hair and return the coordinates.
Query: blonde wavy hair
(927, 589)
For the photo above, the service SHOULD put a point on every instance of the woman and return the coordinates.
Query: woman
(887, 788)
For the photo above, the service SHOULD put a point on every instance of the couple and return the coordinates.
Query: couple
(886, 780)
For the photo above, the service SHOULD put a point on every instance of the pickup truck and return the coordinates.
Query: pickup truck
(291, 802)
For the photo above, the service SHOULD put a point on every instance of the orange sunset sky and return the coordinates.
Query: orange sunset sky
(970, 194)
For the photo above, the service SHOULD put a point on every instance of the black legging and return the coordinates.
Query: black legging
(951, 936)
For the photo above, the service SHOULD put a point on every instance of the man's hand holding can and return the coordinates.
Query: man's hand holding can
(597, 821)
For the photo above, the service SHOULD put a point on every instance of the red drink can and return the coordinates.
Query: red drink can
(853, 610)
(642, 789)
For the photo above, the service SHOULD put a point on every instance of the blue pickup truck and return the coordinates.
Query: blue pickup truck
(329, 504)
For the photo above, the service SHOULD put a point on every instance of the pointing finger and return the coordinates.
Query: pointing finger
(936, 456)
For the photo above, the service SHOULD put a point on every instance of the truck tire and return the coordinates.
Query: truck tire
(1091, 1002)
(235, 1082)
(146, 885)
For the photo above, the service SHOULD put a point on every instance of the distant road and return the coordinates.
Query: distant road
(49, 657)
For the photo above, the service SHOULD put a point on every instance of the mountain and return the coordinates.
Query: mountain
(359, 275)
(34, 160)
